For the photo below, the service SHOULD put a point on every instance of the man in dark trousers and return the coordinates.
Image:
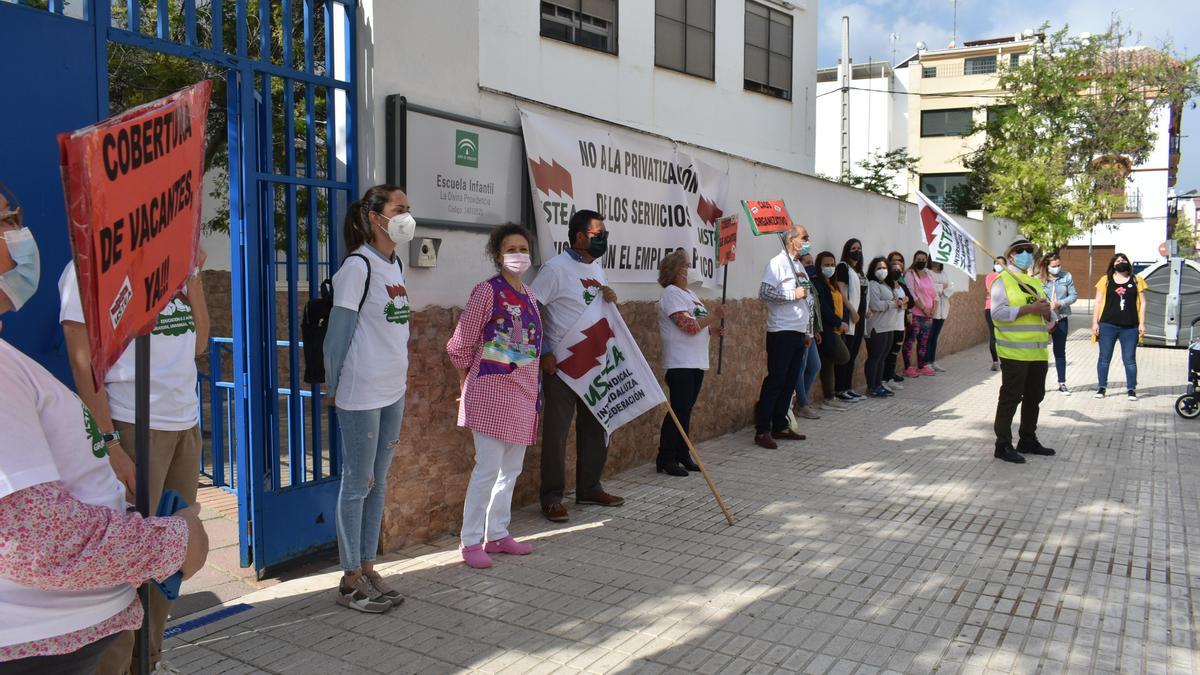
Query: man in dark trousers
(1023, 320)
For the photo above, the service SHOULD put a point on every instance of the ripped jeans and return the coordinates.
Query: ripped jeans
(368, 438)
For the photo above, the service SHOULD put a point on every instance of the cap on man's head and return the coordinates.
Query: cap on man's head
(1017, 244)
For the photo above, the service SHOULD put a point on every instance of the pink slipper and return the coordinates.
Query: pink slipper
(475, 557)
(508, 545)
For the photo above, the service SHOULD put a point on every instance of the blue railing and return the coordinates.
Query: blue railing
(218, 460)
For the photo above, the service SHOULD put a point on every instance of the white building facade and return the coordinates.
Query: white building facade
(878, 117)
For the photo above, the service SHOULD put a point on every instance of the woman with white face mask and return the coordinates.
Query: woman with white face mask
(997, 267)
(71, 555)
(1060, 289)
(496, 348)
(366, 367)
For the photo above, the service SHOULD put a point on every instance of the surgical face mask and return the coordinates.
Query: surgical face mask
(827, 271)
(997, 268)
(20, 283)
(1055, 270)
(805, 249)
(598, 245)
(516, 263)
(1023, 260)
(401, 228)
(881, 273)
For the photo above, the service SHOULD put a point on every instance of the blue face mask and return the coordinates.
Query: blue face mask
(1023, 260)
(20, 283)
(805, 249)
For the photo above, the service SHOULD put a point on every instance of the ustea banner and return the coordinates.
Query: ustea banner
(948, 243)
(600, 361)
(654, 197)
(133, 185)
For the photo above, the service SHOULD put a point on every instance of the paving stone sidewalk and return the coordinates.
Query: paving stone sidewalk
(889, 541)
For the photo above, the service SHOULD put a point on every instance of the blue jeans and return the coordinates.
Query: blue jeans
(1058, 343)
(810, 367)
(367, 438)
(1109, 335)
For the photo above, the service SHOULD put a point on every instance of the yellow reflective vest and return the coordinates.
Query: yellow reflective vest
(1025, 338)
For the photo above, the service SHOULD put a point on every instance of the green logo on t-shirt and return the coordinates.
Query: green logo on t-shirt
(396, 314)
(92, 429)
(700, 311)
(175, 319)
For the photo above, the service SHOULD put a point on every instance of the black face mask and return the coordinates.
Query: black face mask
(598, 245)
(919, 265)
(1123, 267)
(856, 256)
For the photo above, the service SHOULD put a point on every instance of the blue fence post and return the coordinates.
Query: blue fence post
(216, 403)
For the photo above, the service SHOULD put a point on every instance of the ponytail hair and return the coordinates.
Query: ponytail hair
(356, 229)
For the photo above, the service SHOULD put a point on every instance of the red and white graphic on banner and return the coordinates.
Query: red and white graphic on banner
(600, 361)
(948, 243)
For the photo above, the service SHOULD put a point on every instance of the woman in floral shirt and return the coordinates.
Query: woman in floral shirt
(496, 348)
(71, 555)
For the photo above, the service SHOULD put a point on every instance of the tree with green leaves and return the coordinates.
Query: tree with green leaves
(879, 172)
(1081, 114)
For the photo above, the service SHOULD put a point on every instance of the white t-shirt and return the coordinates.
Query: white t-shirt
(565, 287)
(681, 350)
(854, 285)
(48, 435)
(173, 402)
(797, 314)
(375, 372)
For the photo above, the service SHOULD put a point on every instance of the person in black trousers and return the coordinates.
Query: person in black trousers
(850, 281)
(684, 324)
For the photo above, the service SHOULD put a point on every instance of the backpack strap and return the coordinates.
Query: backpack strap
(367, 283)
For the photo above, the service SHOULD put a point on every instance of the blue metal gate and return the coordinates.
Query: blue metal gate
(288, 67)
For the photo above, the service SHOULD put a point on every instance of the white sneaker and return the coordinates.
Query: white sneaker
(937, 367)
(165, 668)
(834, 404)
(893, 385)
(1062, 387)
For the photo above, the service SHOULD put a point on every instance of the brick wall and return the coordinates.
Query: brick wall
(433, 462)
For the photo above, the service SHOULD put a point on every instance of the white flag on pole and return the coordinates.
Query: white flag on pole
(948, 243)
(600, 361)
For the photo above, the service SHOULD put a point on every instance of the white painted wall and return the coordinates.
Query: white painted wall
(459, 55)
(877, 124)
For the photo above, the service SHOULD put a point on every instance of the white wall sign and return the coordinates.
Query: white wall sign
(457, 173)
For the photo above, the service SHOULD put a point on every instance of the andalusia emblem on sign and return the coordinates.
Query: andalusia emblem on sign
(948, 243)
(600, 361)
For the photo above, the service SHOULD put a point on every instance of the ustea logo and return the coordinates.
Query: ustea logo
(466, 148)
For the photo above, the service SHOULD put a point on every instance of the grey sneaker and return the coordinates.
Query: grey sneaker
(807, 412)
(1062, 387)
(362, 597)
(383, 589)
(995, 366)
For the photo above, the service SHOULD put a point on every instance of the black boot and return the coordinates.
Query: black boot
(686, 462)
(1033, 447)
(669, 466)
(1005, 452)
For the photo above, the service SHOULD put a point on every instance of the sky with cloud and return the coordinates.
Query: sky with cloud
(872, 22)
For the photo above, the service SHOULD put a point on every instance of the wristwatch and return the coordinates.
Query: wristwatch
(109, 439)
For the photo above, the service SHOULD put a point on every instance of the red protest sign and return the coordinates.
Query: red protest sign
(727, 239)
(133, 185)
(767, 216)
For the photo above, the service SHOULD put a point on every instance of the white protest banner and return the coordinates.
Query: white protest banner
(948, 243)
(600, 361)
(653, 196)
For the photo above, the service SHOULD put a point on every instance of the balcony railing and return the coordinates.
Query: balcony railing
(1132, 208)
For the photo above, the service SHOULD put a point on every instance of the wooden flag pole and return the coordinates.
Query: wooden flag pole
(700, 463)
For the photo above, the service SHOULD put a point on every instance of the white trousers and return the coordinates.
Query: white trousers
(489, 494)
